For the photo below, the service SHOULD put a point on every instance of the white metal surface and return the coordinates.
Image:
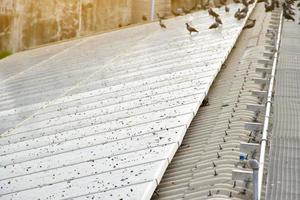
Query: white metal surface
(104, 115)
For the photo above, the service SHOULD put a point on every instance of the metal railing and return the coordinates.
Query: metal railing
(268, 111)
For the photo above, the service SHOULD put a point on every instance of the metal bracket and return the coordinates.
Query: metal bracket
(270, 48)
(265, 62)
(238, 174)
(258, 93)
(261, 80)
(268, 54)
(252, 126)
(263, 69)
(256, 107)
(248, 148)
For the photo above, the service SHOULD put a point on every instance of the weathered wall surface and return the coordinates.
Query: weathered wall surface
(99, 15)
(187, 4)
(6, 21)
(29, 23)
(140, 8)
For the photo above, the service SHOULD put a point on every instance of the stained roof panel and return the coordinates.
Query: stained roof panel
(105, 114)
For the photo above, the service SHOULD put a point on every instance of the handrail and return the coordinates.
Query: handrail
(268, 111)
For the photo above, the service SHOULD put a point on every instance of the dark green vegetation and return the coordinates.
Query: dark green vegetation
(4, 54)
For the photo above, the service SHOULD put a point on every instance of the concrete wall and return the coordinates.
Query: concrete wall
(141, 9)
(29, 23)
(187, 4)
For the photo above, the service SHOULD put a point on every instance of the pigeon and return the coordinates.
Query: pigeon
(236, 14)
(186, 11)
(191, 29)
(288, 16)
(218, 20)
(226, 9)
(209, 193)
(269, 8)
(287, 6)
(240, 15)
(205, 102)
(162, 25)
(144, 18)
(212, 13)
(223, 2)
(291, 12)
(245, 9)
(251, 24)
(204, 5)
(245, 3)
(289, 1)
(161, 17)
(214, 25)
(276, 3)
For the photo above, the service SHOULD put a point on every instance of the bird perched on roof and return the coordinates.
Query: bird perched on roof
(240, 15)
(269, 8)
(191, 29)
(223, 2)
(214, 25)
(276, 3)
(288, 16)
(251, 2)
(218, 20)
(245, 3)
(290, 2)
(205, 102)
(237, 13)
(287, 6)
(245, 9)
(212, 13)
(162, 25)
(144, 18)
(251, 24)
(226, 9)
(160, 17)
(204, 5)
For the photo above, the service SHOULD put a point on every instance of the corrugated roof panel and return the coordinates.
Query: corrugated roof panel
(103, 116)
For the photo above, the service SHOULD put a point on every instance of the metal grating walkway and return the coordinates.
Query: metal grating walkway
(283, 181)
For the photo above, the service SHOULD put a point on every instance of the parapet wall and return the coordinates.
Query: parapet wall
(29, 23)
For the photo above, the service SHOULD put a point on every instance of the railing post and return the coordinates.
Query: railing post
(152, 11)
(255, 166)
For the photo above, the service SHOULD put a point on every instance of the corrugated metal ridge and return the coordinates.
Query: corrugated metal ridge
(197, 171)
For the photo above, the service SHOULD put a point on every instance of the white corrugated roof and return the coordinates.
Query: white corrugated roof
(101, 117)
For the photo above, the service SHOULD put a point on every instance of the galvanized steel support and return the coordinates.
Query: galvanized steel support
(268, 111)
